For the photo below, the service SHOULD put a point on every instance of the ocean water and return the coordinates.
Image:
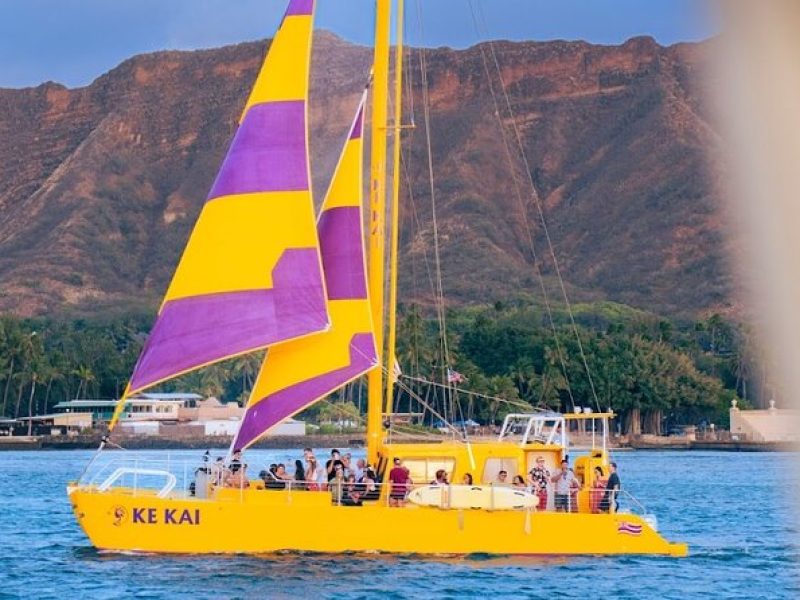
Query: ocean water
(735, 510)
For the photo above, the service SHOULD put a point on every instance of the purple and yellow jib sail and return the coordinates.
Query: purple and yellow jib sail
(298, 373)
(251, 273)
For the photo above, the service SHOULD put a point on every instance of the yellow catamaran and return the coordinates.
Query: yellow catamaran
(259, 271)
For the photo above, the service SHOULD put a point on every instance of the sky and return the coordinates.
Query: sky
(75, 41)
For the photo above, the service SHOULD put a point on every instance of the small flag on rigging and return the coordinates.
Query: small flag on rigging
(454, 376)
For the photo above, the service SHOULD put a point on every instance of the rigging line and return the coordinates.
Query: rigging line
(524, 212)
(437, 256)
(343, 410)
(404, 430)
(405, 168)
(417, 221)
(411, 392)
(404, 160)
(538, 205)
(520, 404)
(433, 411)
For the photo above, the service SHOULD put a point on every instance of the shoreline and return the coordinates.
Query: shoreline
(347, 440)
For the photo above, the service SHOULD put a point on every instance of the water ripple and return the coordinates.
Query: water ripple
(741, 532)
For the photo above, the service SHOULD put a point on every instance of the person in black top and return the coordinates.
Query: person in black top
(236, 461)
(612, 489)
(330, 466)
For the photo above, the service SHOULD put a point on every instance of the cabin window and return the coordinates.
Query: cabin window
(493, 466)
(423, 470)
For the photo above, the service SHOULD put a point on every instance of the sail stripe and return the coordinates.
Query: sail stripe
(298, 373)
(251, 273)
(300, 7)
(276, 407)
(342, 257)
(266, 163)
(358, 125)
(197, 330)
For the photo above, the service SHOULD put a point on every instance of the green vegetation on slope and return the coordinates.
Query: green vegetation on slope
(652, 371)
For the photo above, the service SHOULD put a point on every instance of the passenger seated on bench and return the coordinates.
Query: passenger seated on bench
(359, 469)
(299, 476)
(352, 495)
(281, 474)
(238, 477)
(366, 486)
(236, 461)
(441, 478)
(337, 485)
(271, 481)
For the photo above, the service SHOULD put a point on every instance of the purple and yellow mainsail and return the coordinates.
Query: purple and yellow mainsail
(298, 373)
(251, 273)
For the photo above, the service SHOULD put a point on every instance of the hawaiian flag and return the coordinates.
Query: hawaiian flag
(454, 376)
(629, 528)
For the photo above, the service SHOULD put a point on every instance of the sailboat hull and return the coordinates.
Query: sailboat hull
(260, 521)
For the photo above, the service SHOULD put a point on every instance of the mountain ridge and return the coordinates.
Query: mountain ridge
(100, 185)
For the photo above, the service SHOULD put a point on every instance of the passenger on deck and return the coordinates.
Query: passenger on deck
(347, 461)
(358, 470)
(565, 482)
(441, 478)
(467, 479)
(236, 460)
(609, 502)
(271, 481)
(537, 480)
(281, 474)
(502, 478)
(334, 461)
(573, 493)
(400, 481)
(367, 481)
(518, 482)
(299, 476)
(238, 477)
(598, 490)
(312, 474)
(352, 494)
(337, 485)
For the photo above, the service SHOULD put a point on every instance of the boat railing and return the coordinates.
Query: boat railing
(177, 477)
(142, 475)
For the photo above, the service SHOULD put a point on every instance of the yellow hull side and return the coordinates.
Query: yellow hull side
(258, 521)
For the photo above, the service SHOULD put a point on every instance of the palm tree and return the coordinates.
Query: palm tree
(10, 341)
(50, 373)
(84, 375)
(30, 402)
(247, 367)
(212, 380)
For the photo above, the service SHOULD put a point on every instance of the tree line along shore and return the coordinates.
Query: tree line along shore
(654, 372)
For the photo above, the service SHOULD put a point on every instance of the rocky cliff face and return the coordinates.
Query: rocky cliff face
(100, 186)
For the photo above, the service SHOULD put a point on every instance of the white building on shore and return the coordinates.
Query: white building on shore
(770, 425)
(173, 415)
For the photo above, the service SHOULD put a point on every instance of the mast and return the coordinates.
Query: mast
(394, 216)
(377, 222)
